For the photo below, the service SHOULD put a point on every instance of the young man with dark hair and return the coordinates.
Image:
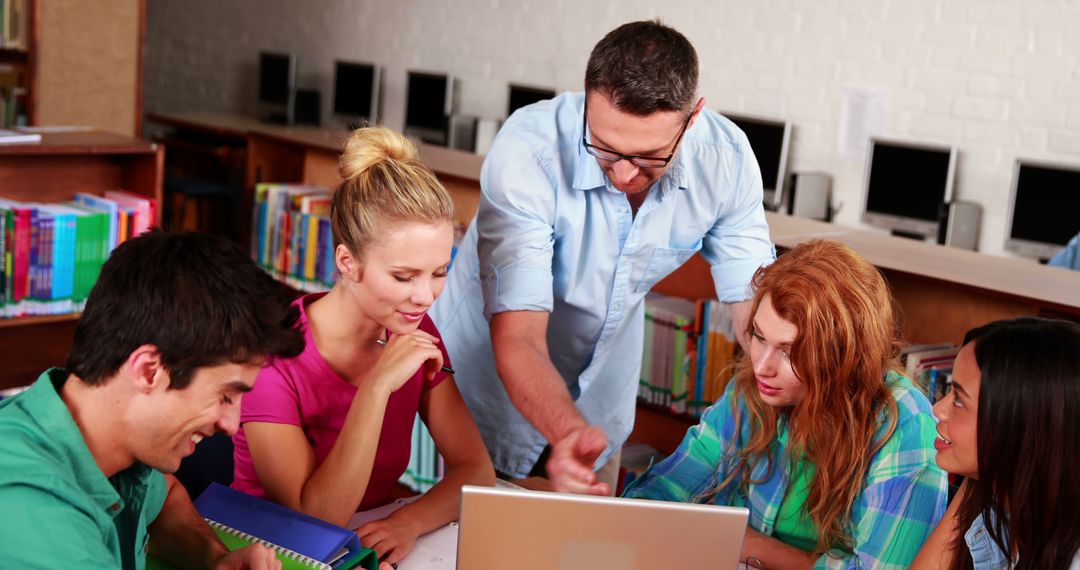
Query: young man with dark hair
(589, 199)
(173, 334)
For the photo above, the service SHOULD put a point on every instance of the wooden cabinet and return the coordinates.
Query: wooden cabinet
(53, 171)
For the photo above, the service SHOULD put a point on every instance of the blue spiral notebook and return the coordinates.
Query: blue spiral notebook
(301, 541)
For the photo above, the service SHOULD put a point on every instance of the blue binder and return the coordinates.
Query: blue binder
(282, 526)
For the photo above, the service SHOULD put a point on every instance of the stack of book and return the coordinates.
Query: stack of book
(290, 235)
(717, 348)
(52, 253)
(668, 357)
(688, 353)
(929, 366)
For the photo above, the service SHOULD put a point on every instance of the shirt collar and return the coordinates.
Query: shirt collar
(45, 405)
(587, 172)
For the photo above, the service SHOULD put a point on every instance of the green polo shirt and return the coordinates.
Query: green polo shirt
(57, 509)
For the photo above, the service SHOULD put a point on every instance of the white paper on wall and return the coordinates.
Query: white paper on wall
(862, 115)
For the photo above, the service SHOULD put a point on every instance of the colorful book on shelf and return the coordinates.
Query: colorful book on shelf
(301, 541)
(290, 235)
(143, 209)
(670, 352)
(106, 205)
(5, 260)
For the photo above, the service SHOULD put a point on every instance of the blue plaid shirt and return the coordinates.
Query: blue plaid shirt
(902, 500)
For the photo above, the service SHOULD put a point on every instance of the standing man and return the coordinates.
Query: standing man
(173, 335)
(587, 201)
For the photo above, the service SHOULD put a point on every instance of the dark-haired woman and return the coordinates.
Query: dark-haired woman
(1011, 427)
(817, 434)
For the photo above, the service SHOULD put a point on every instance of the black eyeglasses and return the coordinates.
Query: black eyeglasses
(608, 155)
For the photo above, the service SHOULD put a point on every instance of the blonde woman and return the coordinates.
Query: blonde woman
(328, 432)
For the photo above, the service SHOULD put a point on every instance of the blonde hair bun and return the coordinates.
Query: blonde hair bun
(383, 181)
(369, 146)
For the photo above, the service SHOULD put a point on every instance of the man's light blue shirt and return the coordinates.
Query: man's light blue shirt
(1069, 256)
(552, 234)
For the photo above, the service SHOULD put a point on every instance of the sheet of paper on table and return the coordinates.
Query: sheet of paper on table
(436, 550)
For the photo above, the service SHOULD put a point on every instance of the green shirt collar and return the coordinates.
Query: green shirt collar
(48, 409)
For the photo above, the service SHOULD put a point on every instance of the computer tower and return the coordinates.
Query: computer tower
(811, 196)
(307, 107)
(462, 132)
(958, 225)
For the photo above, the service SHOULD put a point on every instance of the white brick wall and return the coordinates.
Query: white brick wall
(998, 78)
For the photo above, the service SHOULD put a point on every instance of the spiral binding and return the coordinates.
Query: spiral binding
(290, 554)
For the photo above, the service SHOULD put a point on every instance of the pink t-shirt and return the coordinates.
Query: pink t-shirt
(304, 391)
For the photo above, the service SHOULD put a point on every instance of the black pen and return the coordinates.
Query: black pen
(445, 368)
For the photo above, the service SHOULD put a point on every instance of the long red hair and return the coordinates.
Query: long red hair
(847, 339)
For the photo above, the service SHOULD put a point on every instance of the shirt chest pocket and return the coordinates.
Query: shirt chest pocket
(663, 261)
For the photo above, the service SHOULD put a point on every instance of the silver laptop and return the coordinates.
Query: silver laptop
(505, 529)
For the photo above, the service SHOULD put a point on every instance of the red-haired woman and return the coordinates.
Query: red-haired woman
(829, 447)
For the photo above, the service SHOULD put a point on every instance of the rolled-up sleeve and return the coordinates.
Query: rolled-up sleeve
(694, 468)
(515, 230)
(738, 242)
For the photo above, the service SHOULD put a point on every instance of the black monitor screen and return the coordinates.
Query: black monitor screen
(426, 101)
(1046, 207)
(907, 182)
(767, 141)
(353, 87)
(275, 78)
(522, 96)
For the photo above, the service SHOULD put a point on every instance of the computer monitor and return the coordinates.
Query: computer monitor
(428, 105)
(356, 92)
(1044, 208)
(521, 95)
(906, 186)
(277, 84)
(769, 138)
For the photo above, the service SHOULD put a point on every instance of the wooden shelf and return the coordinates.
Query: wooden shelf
(38, 320)
(15, 56)
(53, 171)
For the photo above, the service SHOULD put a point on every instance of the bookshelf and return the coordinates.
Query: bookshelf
(53, 171)
(942, 291)
(18, 63)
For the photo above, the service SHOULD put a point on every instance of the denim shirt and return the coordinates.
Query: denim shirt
(552, 235)
(985, 552)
